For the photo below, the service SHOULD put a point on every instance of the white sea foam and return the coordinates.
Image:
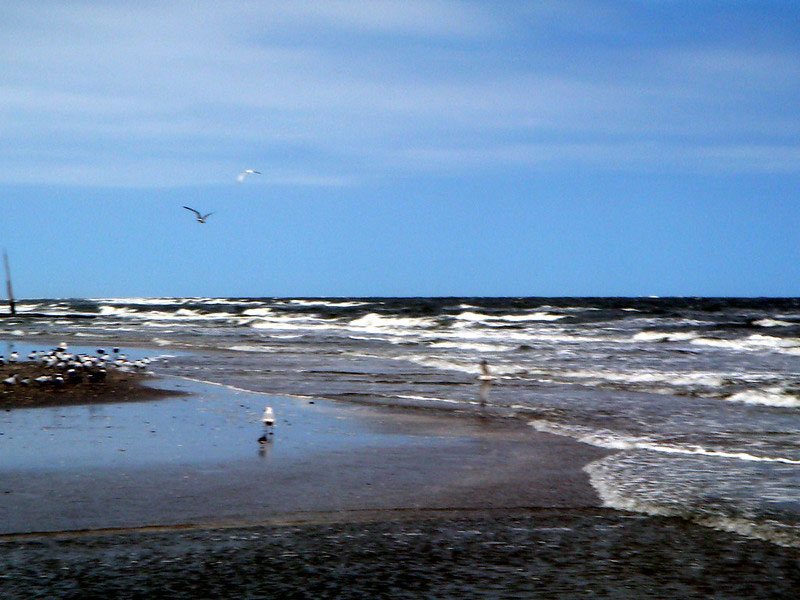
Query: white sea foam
(432, 399)
(115, 311)
(49, 308)
(772, 323)
(257, 312)
(772, 396)
(755, 342)
(616, 441)
(252, 348)
(447, 364)
(286, 322)
(284, 326)
(480, 317)
(613, 496)
(227, 301)
(342, 304)
(182, 314)
(659, 336)
(375, 323)
(143, 301)
(640, 377)
(473, 346)
(537, 316)
(464, 331)
(174, 301)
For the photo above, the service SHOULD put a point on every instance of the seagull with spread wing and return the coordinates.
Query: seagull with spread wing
(200, 218)
(246, 172)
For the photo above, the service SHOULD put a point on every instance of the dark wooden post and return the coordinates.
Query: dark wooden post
(11, 305)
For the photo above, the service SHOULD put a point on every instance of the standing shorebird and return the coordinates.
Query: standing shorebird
(268, 419)
(200, 218)
(485, 375)
(245, 173)
(486, 379)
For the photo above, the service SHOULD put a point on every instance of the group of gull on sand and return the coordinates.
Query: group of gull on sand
(69, 368)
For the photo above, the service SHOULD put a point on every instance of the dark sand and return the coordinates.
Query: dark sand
(118, 386)
(589, 553)
(459, 507)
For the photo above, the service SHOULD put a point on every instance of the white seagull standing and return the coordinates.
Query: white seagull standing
(246, 172)
(200, 218)
(268, 418)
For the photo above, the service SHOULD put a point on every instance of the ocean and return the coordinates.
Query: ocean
(699, 397)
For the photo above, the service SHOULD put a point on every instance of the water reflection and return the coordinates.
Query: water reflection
(215, 424)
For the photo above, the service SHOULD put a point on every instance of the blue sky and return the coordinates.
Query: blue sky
(407, 148)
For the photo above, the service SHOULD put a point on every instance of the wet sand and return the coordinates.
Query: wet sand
(196, 461)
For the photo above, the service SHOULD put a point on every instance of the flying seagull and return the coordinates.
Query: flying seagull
(200, 218)
(246, 172)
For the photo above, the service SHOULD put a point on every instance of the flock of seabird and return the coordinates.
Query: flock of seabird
(68, 368)
(200, 217)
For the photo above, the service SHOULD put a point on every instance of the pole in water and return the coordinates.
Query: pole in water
(11, 305)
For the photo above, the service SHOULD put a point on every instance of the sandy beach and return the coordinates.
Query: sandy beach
(345, 501)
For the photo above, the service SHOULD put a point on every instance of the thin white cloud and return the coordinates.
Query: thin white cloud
(99, 89)
(418, 17)
(734, 68)
(620, 157)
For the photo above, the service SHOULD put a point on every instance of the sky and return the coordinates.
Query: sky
(406, 148)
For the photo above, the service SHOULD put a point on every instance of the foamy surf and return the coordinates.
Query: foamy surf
(613, 494)
(616, 441)
(773, 396)
(658, 336)
(752, 343)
